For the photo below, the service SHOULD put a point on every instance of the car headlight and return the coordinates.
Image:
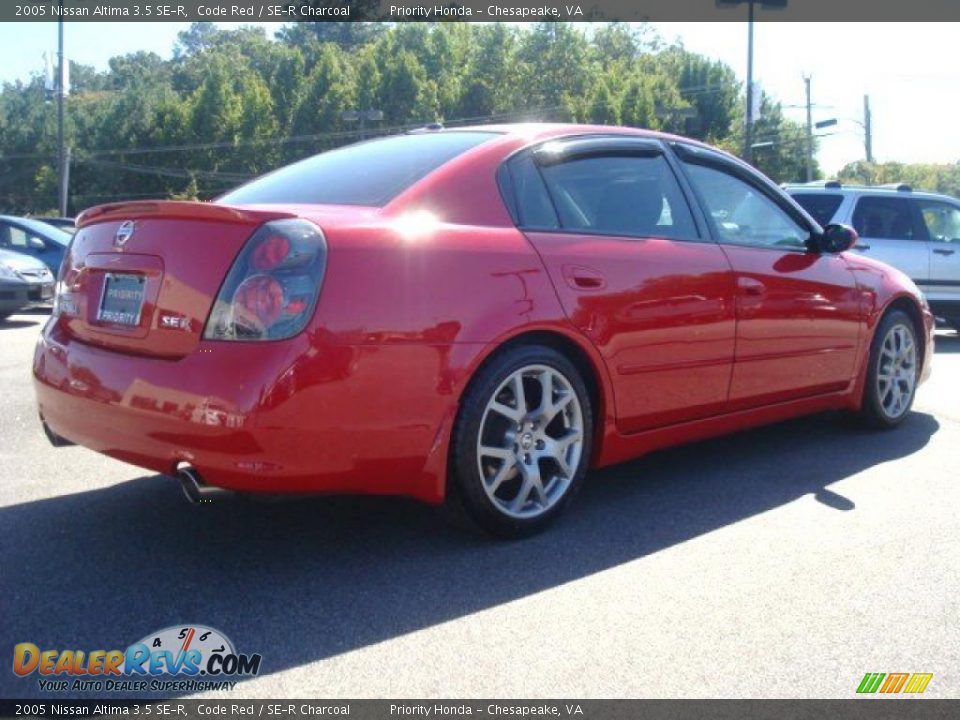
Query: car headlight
(8, 272)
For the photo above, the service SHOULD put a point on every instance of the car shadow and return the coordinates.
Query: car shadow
(303, 580)
(947, 343)
(14, 324)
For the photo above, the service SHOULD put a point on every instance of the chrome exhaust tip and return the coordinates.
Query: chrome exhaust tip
(195, 489)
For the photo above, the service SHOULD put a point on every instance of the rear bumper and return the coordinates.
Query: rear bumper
(40, 292)
(298, 416)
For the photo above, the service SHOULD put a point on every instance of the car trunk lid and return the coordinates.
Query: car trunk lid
(141, 277)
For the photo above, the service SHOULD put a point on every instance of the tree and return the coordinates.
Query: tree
(942, 178)
(558, 70)
(638, 109)
(327, 93)
(230, 104)
(403, 91)
(604, 107)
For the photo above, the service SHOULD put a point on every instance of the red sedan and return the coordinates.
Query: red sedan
(474, 316)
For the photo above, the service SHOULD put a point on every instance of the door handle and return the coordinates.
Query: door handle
(587, 282)
(751, 287)
(943, 251)
(861, 246)
(581, 278)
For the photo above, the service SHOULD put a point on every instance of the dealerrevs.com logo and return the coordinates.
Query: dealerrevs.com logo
(184, 658)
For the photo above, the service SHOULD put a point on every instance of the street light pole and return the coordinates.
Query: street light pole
(61, 144)
(806, 82)
(768, 5)
(748, 133)
(867, 129)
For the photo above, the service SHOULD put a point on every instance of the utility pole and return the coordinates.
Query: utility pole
(748, 131)
(765, 5)
(806, 82)
(867, 130)
(63, 156)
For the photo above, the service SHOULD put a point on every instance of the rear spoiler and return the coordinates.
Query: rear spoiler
(177, 210)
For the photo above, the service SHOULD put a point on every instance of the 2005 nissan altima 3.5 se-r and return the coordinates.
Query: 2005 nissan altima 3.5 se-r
(474, 316)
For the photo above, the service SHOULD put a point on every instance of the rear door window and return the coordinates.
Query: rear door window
(820, 206)
(620, 195)
(887, 218)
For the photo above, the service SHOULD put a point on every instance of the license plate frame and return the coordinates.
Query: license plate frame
(122, 311)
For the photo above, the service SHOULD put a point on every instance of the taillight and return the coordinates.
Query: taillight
(272, 288)
(64, 300)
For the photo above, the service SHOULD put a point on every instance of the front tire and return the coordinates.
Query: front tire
(892, 373)
(522, 441)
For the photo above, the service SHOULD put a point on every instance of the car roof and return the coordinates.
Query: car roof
(536, 131)
(835, 188)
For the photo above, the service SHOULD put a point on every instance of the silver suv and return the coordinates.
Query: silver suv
(915, 232)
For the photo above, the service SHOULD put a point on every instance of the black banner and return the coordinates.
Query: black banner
(862, 709)
(475, 10)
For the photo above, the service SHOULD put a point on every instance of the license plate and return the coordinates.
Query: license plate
(122, 299)
(46, 292)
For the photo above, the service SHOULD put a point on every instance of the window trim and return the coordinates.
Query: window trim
(587, 148)
(508, 192)
(687, 153)
(605, 145)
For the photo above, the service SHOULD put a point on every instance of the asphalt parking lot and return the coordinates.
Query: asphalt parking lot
(782, 562)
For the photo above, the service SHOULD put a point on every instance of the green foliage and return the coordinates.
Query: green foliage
(231, 104)
(920, 176)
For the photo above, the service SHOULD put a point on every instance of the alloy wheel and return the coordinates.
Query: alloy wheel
(530, 441)
(897, 371)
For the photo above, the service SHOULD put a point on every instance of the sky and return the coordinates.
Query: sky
(908, 69)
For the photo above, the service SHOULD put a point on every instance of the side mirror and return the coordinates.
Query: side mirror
(835, 239)
(35, 243)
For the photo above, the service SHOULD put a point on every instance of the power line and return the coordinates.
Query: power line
(19, 156)
(170, 172)
(316, 136)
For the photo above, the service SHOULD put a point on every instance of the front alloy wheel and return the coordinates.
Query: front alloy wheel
(521, 442)
(893, 371)
(897, 373)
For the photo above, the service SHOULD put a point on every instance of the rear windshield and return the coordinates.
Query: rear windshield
(820, 205)
(368, 173)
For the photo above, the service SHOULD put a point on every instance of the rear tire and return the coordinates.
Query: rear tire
(521, 443)
(892, 372)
